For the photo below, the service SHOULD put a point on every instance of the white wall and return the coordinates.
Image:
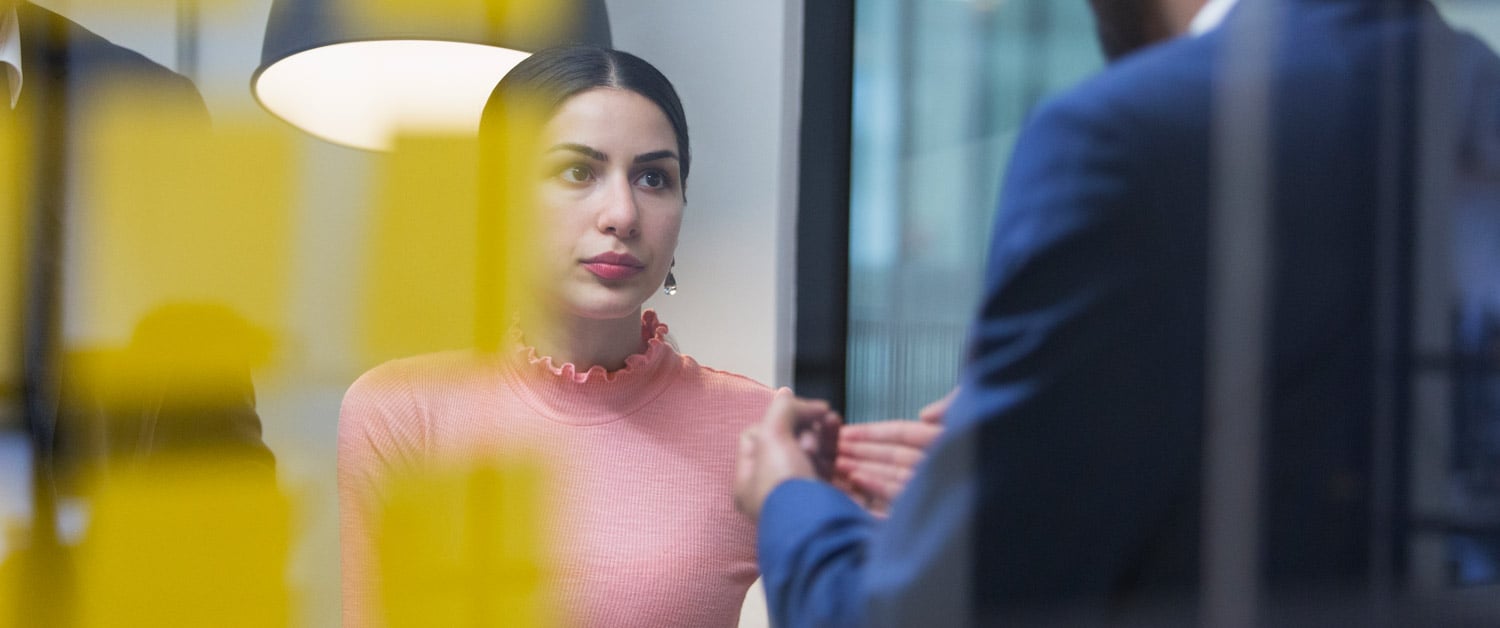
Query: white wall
(737, 67)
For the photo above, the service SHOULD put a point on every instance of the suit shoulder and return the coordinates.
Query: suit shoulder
(57, 37)
(1162, 84)
(60, 47)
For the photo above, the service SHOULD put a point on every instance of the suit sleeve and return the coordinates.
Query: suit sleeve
(1060, 457)
(812, 541)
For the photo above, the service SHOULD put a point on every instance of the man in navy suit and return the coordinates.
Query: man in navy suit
(1206, 255)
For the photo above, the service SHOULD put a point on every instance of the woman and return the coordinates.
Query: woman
(639, 440)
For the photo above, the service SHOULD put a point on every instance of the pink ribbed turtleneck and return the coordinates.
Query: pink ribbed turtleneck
(641, 459)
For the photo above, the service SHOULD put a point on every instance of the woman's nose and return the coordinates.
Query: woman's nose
(619, 214)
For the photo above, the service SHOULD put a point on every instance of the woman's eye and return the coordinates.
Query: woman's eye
(652, 179)
(575, 174)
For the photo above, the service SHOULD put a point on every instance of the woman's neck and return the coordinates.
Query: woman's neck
(586, 342)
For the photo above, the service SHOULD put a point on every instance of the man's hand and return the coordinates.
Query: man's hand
(876, 460)
(781, 447)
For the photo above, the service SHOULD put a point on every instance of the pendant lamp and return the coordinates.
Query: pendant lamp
(359, 72)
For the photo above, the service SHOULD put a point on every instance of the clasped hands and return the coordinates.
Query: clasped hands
(804, 438)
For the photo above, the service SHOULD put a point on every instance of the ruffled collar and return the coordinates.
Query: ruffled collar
(593, 396)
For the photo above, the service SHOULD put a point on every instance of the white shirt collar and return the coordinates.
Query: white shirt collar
(1210, 16)
(10, 51)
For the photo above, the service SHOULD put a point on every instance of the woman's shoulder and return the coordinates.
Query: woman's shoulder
(424, 373)
(726, 384)
(390, 406)
(717, 400)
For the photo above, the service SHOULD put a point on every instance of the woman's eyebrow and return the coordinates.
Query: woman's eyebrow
(580, 149)
(655, 155)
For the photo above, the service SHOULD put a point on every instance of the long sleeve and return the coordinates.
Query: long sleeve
(811, 548)
(356, 488)
(379, 430)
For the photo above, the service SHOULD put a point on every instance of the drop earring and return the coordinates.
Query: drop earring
(670, 285)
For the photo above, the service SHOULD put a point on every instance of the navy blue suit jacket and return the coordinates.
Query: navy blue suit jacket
(1067, 486)
(67, 67)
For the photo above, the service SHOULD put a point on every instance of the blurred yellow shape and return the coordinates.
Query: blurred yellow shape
(185, 226)
(450, 257)
(161, 7)
(420, 286)
(190, 541)
(11, 577)
(17, 573)
(466, 547)
(514, 237)
(526, 20)
(15, 180)
(180, 356)
(32, 580)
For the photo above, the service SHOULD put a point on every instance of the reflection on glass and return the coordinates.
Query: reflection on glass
(1474, 546)
(940, 90)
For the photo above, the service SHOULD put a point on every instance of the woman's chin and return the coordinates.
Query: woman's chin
(605, 303)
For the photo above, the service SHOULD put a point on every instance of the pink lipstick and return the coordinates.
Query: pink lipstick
(614, 265)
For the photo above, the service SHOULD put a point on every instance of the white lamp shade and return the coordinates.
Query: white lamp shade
(360, 83)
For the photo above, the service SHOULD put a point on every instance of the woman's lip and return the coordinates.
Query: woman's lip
(612, 271)
(617, 259)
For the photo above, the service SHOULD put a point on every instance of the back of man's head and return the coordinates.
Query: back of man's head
(1125, 26)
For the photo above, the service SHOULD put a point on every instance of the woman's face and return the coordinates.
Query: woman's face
(611, 196)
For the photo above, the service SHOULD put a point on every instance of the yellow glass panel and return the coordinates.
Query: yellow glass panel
(15, 178)
(33, 582)
(511, 232)
(192, 541)
(533, 19)
(184, 242)
(451, 251)
(466, 547)
(419, 288)
(164, 9)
